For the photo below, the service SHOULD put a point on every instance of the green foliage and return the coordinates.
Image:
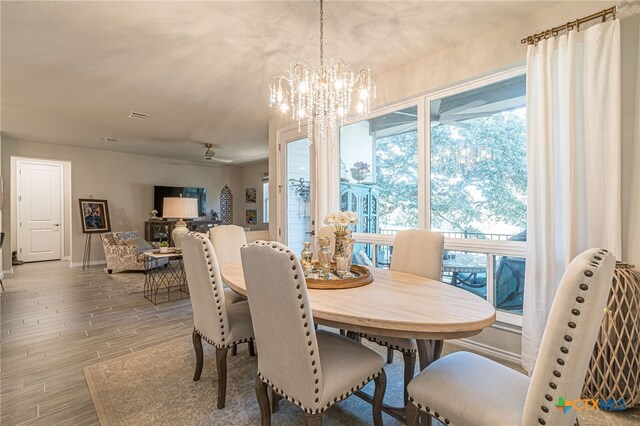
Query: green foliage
(478, 175)
(164, 244)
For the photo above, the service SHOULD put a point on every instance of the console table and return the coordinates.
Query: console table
(160, 230)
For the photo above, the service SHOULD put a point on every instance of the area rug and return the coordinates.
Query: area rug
(133, 282)
(155, 386)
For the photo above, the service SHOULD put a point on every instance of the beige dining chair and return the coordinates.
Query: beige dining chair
(416, 252)
(312, 369)
(223, 326)
(467, 389)
(227, 240)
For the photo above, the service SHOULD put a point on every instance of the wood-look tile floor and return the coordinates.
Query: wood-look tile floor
(55, 320)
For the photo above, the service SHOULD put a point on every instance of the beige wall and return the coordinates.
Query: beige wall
(125, 180)
(251, 177)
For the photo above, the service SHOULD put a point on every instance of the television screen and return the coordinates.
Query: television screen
(175, 191)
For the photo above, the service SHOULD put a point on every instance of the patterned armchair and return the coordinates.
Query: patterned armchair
(121, 256)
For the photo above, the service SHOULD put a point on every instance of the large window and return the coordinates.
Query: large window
(461, 171)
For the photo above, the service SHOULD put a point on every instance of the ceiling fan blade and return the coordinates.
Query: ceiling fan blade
(220, 160)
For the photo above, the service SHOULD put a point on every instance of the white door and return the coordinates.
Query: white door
(39, 211)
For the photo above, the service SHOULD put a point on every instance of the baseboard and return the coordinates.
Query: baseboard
(66, 258)
(6, 272)
(92, 263)
(487, 350)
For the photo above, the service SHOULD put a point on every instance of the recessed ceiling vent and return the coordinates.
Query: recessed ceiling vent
(138, 115)
(107, 139)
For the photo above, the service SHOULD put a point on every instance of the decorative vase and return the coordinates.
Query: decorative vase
(348, 251)
(324, 256)
(306, 258)
(359, 175)
(341, 238)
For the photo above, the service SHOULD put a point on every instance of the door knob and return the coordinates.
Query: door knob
(56, 224)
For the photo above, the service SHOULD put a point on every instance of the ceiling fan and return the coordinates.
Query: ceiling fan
(210, 155)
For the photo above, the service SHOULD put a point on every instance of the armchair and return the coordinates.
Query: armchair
(123, 256)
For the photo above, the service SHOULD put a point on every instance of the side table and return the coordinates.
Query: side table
(614, 371)
(160, 277)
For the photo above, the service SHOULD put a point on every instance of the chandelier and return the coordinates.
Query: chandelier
(321, 95)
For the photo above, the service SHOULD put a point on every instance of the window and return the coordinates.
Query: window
(265, 199)
(478, 162)
(471, 153)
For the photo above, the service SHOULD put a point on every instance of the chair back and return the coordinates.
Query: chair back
(205, 289)
(569, 337)
(227, 240)
(418, 252)
(282, 321)
(330, 232)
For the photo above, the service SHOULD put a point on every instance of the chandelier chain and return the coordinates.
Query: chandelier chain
(321, 34)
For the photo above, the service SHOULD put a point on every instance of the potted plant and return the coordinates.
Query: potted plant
(360, 171)
(164, 247)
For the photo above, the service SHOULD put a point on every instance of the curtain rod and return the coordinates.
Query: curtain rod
(553, 32)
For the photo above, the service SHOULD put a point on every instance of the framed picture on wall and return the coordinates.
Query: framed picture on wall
(250, 195)
(251, 217)
(95, 215)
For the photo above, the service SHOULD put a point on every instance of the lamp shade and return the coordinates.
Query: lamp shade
(180, 208)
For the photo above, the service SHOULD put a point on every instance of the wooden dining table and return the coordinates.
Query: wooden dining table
(395, 304)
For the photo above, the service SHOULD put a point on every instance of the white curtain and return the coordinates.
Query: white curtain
(573, 148)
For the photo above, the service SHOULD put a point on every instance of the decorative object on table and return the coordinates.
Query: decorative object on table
(324, 256)
(213, 214)
(251, 216)
(95, 215)
(342, 266)
(226, 206)
(179, 208)
(347, 250)
(154, 215)
(324, 95)
(342, 221)
(360, 171)
(357, 276)
(164, 247)
(614, 371)
(95, 219)
(306, 258)
(250, 195)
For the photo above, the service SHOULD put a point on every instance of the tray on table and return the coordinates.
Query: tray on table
(361, 277)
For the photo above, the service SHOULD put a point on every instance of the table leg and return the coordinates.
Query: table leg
(428, 351)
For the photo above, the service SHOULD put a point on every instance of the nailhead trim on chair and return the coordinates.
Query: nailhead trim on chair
(427, 410)
(387, 344)
(564, 349)
(571, 325)
(216, 291)
(312, 354)
(308, 410)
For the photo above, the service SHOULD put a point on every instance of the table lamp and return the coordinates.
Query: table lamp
(179, 208)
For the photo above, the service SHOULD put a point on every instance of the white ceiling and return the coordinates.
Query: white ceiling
(72, 71)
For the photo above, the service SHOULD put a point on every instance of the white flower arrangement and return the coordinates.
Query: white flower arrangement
(341, 220)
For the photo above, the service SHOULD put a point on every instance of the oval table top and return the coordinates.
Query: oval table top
(396, 304)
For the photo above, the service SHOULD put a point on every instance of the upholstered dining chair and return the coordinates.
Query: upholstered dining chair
(313, 369)
(222, 325)
(227, 240)
(467, 389)
(416, 252)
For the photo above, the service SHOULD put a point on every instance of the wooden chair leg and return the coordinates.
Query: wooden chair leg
(413, 415)
(1, 284)
(275, 401)
(390, 355)
(409, 369)
(378, 397)
(221, 364)
(234, 350)
(252, 350)
(263, 402)
(197, 346)
(313, 419)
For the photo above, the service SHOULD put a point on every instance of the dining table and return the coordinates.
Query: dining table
(395, 304)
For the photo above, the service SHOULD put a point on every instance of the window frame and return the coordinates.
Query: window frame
(490, 248)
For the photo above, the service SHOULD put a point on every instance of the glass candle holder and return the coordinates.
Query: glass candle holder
(342, 265)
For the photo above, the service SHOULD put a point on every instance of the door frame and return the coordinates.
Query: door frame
(16, 162)
(283, 137)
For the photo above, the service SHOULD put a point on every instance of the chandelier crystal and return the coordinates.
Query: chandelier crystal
(324, 95)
